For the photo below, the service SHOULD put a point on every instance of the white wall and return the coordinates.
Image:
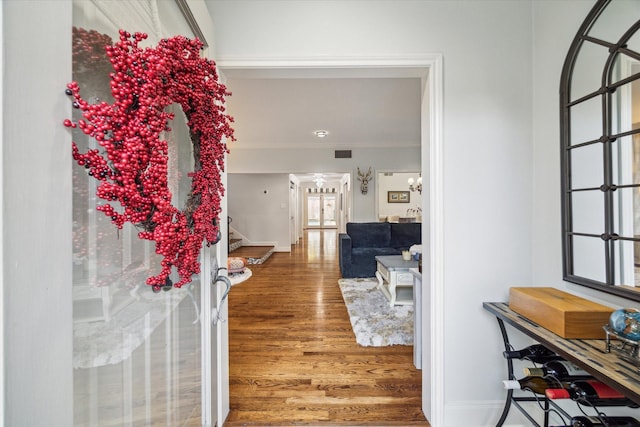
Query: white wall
(488, 168)
(549, 52)
(260, 208)
(322, 160)
(396, 181)
(36, 168)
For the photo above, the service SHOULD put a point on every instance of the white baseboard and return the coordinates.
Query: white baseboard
(481, 413)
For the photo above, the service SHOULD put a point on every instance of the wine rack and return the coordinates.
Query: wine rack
(615, 369)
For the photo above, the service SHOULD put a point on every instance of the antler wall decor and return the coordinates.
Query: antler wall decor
(364, 179)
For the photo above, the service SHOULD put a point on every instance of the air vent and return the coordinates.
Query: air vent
(343, 154)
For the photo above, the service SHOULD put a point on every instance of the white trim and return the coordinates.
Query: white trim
(413, 65)
(205, 336)
(222, 328)
(222, 341)
(473, 413)
(213, 357)
(436, 245)
(312, 67)
(2, 363)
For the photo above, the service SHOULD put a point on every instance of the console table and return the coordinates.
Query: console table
(590, 355)
(395, 279)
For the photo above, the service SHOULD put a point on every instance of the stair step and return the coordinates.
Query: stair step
(234, 244)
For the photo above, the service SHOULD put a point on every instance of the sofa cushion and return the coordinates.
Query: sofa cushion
(404, 235)
(367, 255)
(369, 234)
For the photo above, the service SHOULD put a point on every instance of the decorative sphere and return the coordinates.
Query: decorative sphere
(626, 323)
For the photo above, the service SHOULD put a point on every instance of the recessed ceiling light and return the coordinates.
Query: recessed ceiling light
(321, 133)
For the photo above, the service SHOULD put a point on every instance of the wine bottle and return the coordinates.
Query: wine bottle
(559, 369)
(535, 384)
(536, 353)
(590, 392)
(590, 421)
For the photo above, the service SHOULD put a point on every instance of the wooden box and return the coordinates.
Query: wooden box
(563, 314)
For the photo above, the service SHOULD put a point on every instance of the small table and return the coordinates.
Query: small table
(394, 278)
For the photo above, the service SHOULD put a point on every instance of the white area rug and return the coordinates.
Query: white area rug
(374, 322)
(236, 278)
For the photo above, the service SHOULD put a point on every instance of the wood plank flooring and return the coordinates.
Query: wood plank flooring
(293, 356)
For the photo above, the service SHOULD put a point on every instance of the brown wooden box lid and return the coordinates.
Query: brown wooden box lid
(562, 313)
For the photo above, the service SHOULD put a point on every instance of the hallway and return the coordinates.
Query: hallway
(293, 355)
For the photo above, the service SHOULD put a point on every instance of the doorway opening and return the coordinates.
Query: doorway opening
(430, 70)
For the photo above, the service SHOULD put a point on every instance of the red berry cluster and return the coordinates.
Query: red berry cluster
(132, 163)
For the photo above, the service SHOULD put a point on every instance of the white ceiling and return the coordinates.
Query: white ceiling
(330, 179)
(281, 112)
(281, 108)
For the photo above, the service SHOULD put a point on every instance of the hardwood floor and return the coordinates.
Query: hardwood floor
(293, 356)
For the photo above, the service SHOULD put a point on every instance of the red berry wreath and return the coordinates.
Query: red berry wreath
(132, 162)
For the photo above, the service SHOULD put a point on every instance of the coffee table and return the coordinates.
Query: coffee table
(394, 278)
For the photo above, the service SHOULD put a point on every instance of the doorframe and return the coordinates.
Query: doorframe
(214, 346)
(432, 153)
(2, 233)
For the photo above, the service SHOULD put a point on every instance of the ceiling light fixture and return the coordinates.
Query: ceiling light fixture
(321, 133)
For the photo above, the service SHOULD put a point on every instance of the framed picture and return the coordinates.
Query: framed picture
(397, 197)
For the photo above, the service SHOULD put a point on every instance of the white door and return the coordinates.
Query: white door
(321, 210)
(139, 357)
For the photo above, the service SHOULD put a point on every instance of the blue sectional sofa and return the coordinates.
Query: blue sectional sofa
(363, 241)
